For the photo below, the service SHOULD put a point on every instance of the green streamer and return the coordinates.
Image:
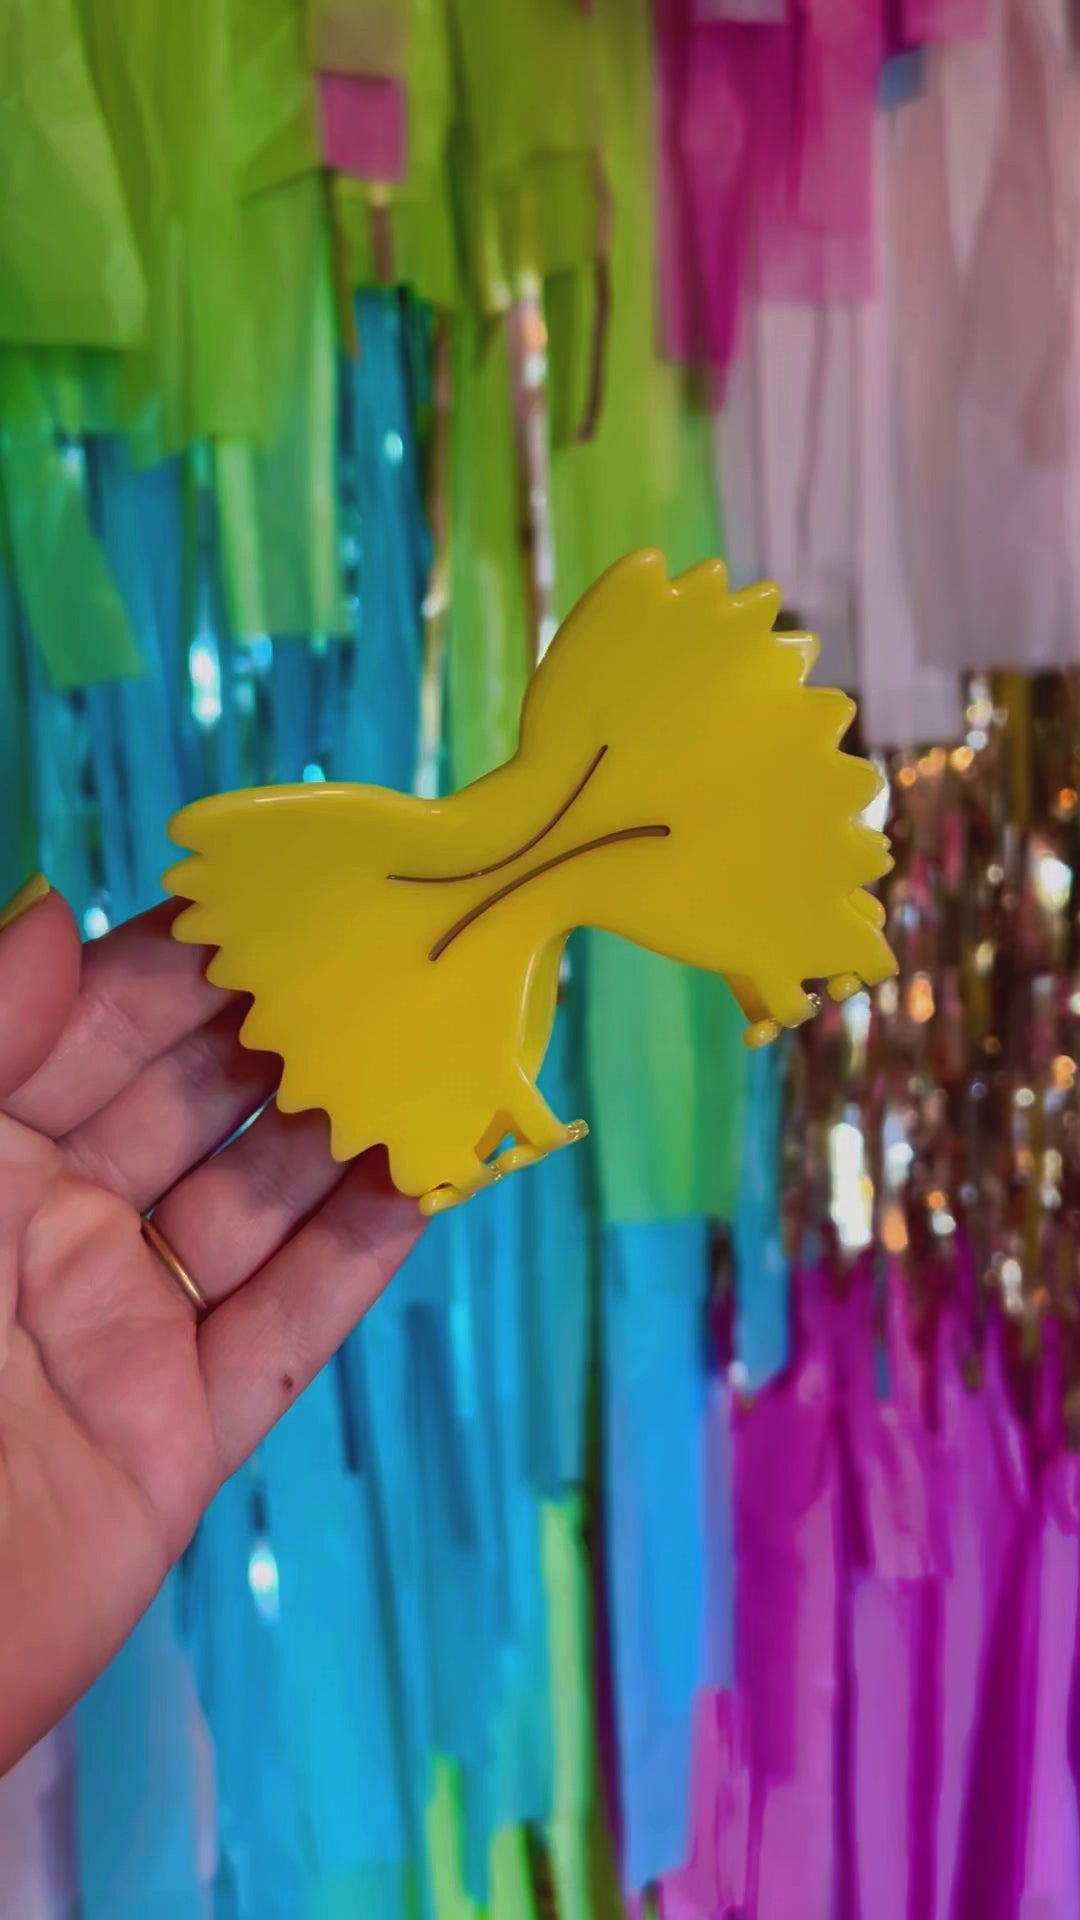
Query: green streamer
(18, 842)
(444, 1851)
(76, 615)
(584, 1874)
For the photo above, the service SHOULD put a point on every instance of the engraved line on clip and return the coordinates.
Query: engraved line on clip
(546, 866)
(481, 873)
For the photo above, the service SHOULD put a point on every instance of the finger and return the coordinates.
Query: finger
(226, 1218)
(28, 1166)
(39, 982)
(181, 1108)
(267, 1341)
(141, 992)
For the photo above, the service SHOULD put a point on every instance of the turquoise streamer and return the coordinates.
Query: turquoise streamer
(377, 690)
(342, 1737)
(136, 1780)
(556, 1299)
(264, 1860)
(137, 765)
(762, 1329)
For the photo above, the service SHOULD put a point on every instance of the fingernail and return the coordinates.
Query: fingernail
(29, 894)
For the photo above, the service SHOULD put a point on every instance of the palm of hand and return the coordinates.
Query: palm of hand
(120, 1073)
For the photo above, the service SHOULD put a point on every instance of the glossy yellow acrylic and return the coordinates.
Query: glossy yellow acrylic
(675, 782)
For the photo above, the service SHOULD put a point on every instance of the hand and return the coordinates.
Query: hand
(121, 1073)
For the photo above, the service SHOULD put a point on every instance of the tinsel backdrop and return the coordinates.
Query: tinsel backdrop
(692, 1529)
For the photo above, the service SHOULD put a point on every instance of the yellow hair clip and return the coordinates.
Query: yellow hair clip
(675, 783)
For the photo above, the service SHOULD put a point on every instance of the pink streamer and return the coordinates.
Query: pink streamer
(925, 23)
(38, 1852)
(987, 229)
(713, 1880)
(364, 126)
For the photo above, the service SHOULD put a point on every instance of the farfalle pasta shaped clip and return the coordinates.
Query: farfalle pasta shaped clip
(676, 783)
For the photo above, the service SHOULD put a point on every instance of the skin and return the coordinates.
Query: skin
(120, 1074)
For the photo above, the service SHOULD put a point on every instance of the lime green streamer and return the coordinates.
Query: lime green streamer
(503, 138)
(276, 487)
(528, 151)
(665, 1058)
(165, 76)
(278, 503)
(663, 1044)
(489, 653)
(69, 269)
(275, 127)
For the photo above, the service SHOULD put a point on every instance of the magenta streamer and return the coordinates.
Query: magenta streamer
(765, 165)
(901, 1739)
(766, 131)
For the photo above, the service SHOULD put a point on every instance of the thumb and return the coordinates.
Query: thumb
(40, 963)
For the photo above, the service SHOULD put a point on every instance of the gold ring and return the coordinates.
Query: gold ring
(174, 1267)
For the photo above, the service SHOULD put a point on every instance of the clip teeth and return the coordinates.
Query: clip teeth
(844, 987)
